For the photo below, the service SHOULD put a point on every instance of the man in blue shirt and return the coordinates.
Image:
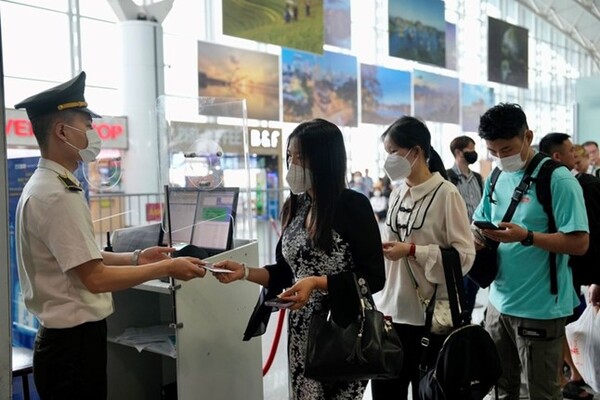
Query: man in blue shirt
(523, 317)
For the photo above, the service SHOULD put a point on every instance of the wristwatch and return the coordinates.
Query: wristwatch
(135, 257)
(528, 241)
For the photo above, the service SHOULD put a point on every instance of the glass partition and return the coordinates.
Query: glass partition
(203, 171)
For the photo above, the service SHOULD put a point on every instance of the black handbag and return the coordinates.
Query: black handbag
(368, 348)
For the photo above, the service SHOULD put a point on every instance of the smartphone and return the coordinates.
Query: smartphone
(279, 303)
(487, 225)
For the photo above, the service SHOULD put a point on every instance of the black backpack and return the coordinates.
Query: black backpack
(468, 364)
(585, 268)
(467, 367)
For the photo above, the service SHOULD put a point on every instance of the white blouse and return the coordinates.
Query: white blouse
(431, 215)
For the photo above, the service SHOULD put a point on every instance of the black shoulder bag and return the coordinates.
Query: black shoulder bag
(368, 348)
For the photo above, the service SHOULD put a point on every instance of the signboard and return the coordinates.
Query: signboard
(112, 131)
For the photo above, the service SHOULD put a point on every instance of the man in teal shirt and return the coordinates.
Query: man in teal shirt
(523, 317)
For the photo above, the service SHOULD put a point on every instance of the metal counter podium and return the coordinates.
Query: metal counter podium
(208, 319)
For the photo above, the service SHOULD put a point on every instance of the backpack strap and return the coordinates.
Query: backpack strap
(544, 195)
(493, 180)
(452, 176)
(479, 180)
(523, 187)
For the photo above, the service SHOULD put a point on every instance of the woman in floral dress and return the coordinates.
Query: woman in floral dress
(328, 233)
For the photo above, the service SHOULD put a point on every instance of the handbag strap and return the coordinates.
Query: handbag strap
(456, 297)
(362, 290)
(455, 285)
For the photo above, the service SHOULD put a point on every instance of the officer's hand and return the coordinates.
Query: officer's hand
(154, 254)
(186, 268)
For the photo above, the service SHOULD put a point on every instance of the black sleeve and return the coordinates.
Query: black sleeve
(280, 277)
(356, 223)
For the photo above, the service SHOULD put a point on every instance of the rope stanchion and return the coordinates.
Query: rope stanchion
(280, 320)
(275, 343)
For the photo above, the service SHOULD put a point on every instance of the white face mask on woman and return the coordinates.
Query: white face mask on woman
(398, 167)
(511, 163)
(91, 151)
(299, 179)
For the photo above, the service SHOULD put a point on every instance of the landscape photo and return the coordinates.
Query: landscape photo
(315, 86)
(507, 53)
(476, 100)
(451, 46)
(243, 74)
(297, 24)
(385, 94)
(436, 97)
(338, 24)
(417, 30)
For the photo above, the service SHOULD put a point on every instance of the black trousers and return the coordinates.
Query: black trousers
(71, 363)
(397, 389)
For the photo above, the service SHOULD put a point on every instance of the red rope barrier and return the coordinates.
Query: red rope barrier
(275, 343)
(277, 336)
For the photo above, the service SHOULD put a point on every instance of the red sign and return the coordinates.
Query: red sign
(153, 212)
(112, 131)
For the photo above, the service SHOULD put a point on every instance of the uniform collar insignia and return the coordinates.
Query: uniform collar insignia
(69, 183)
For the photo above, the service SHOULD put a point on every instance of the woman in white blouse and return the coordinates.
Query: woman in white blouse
(426, 213)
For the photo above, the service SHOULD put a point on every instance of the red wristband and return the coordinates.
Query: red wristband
(412, 250)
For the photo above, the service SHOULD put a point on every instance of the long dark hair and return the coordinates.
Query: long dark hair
(408, 132)
(321, 145)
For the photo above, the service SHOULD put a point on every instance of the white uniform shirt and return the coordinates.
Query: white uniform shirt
(54, 234)
(432, 220)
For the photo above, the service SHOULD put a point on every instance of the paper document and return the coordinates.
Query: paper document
(158, 338)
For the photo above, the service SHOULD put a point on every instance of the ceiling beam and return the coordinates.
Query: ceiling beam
(567, 28)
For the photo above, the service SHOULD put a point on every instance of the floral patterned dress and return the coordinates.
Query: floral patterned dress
(305, 261)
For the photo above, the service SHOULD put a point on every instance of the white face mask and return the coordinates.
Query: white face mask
(398, 167)
(299, 179)
(93, 148)
(511, 163)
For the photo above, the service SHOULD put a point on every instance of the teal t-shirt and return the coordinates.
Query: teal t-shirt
(522, 286)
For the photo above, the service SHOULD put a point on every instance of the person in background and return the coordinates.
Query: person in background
(368, 183)
(66, 280)
(358, 184)
(379, 203)
(523, 317)
(470, 186)
(582, 159)
(329, 233)
(559, 147)
(592, 149)
(426, 213)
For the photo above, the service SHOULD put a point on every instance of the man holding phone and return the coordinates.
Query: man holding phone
(524, 318)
